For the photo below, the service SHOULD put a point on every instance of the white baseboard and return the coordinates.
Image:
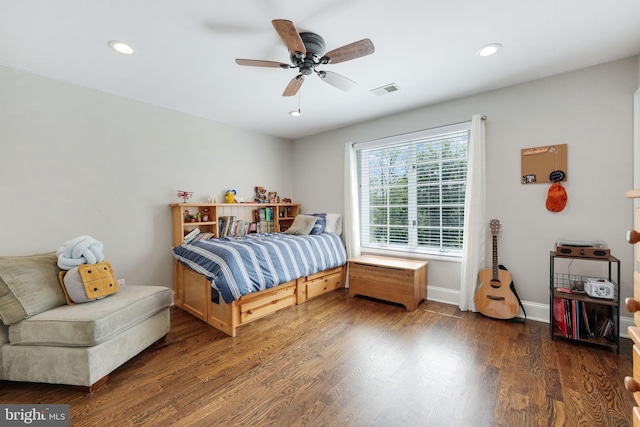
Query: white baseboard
(535, 311)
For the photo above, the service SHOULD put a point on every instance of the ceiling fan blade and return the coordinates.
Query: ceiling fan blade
(259, 63)
(351, 51)
(289, 35)
(337, 80)
(294, 85)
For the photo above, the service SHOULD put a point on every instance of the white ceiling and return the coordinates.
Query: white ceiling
(185, 51)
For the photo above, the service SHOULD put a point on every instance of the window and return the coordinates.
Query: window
(412, 190)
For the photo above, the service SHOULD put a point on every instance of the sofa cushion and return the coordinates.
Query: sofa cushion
(28, 286)
(92, 323)
(4, 336)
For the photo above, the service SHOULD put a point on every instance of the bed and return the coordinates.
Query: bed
(228, 282)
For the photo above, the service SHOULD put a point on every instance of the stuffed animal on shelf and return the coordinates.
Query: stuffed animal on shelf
(261, 195)
(230, 196)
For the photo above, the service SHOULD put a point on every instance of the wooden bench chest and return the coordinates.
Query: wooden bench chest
(403, 281)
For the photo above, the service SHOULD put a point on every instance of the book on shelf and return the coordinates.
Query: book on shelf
(191, 235)
(575, 320)
(585, 321)
(231, 226)
(593, 320)
(567, 317)
(203, 236)
(222, 223)
(225, 225)
(232, 222)
(265, 218)
(238, 228)
(558, 316)
(605, 328)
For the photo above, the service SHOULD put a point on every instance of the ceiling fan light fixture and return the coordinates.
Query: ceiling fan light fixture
(306, 52)
(120, 47)
(489, 49)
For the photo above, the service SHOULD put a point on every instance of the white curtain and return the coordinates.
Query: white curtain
(351, 221)
(475, 222)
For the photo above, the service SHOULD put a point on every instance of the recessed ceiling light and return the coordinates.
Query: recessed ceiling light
(120, 47)
(489, 49)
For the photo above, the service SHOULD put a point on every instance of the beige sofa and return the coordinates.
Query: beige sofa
(42, 339)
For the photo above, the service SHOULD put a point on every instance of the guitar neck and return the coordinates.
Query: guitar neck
(495, 257)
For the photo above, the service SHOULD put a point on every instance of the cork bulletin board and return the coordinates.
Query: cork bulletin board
(537, 163)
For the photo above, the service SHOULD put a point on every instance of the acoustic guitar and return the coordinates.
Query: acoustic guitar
(495, 298)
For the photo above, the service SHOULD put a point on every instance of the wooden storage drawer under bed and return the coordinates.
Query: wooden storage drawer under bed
(321, 283)
(192, 293)
(254, 306)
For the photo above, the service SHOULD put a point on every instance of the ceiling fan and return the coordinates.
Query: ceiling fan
(306, 51)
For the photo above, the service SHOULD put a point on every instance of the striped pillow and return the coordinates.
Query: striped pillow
(321, 223)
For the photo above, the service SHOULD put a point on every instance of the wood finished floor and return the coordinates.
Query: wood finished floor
(336, 361)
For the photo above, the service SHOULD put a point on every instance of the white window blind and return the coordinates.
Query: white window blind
(412, 190)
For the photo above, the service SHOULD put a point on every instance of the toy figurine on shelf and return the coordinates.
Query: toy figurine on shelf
(230, 196)
(186, 195)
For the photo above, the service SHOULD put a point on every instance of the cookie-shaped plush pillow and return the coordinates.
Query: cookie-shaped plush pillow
(88, 282)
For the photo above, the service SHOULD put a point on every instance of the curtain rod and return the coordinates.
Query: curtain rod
(483, 118)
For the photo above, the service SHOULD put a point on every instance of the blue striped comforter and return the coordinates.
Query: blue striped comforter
(238, 266)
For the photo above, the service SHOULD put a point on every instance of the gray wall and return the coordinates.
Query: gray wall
(590, 110)
(76, 161)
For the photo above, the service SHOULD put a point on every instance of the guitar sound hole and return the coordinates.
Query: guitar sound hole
(495, 284)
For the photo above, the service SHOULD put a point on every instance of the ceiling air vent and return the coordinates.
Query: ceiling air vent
(391, 87)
